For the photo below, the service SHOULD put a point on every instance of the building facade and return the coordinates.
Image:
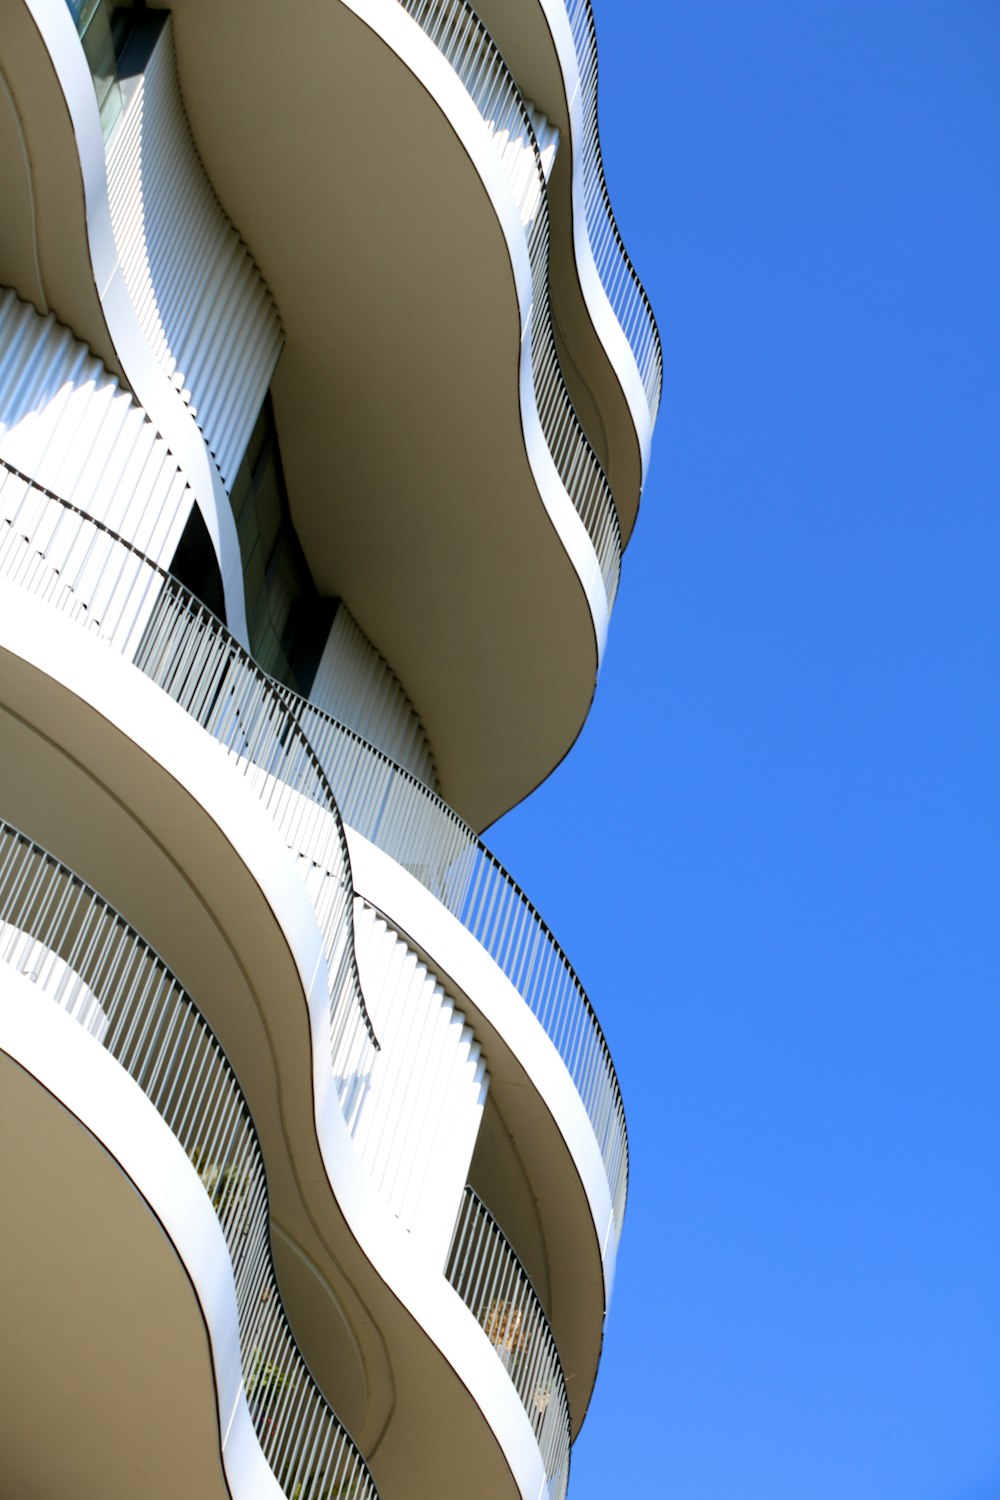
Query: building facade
(326, 397)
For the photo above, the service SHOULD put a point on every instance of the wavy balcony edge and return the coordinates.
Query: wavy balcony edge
(335, 917)
(283, 744)
(608, 278)
(623, 288)
(333, 1183)
(269, 734)
(80, 272)
(341, 1107)
(537, 1107)
(509, 766)
(95, 1364)
(86, 960)
(484, 1269)
(606, 325)
(131, 604)
(620, 313)
(465, 43)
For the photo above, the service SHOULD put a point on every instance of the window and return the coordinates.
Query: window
(287, 619)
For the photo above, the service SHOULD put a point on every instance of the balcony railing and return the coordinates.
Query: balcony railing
(618, 276)
(486, 1273)
(84, 569)
(305, 766)
(83, 956)
(411, 823)
(460, 36)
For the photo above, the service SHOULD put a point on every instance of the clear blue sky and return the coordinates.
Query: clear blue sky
(774, 853)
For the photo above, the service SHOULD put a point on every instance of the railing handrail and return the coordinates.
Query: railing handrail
(73, 944)
(487, 1273)
(419, 789)
(466, 828)
(513, 946)
(271, 690)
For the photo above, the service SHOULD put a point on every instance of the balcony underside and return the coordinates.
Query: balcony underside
(44, 251)
(561, 1224)
(193, 867)
(105, 1352)
(598, 373)
(397, 394)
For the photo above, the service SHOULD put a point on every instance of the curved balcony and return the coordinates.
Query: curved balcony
(83, 956)
(619, 277)
(464, 42)
(605, 324)
(486, 1273)
(429, 332)
(298, 763)
(86, 570)
(106, 768)
(622, 331)
(313, 774)
(387, 805)
(413, 429)
(73, 199)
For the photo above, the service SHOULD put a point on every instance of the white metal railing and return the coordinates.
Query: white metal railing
(416, 828)
(485, 1271)
(311, 773)
(58, 932)
(618, 276)
(89, 572)
(458, 33)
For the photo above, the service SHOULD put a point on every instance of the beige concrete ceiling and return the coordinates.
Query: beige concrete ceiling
(105, 1352)
(397, 392)
(87, 792)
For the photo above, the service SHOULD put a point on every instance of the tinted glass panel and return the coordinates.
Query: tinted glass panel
(287, 620)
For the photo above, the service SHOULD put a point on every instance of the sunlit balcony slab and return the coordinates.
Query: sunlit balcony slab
(540, 1107)
(118, 1322)
(423, 493)
(112, 775)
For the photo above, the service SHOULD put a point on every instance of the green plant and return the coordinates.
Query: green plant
(225, 1185)
(306, 1489)
(265, 1381)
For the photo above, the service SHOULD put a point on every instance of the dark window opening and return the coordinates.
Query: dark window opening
(287, 619)
(196, 566)
(117, 43)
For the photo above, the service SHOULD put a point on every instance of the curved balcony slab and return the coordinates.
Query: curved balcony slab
(486, 1271)
(121, 784)
(613, 358)
(65, 557)
(118, 779)
(541, 1107)
(421, 482)
(413, 826)
(118, 1304)
(84, 960)
(306, 767)
(523, 637)
(66, 261)
(44, 253)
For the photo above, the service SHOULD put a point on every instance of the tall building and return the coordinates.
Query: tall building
(326, 395)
